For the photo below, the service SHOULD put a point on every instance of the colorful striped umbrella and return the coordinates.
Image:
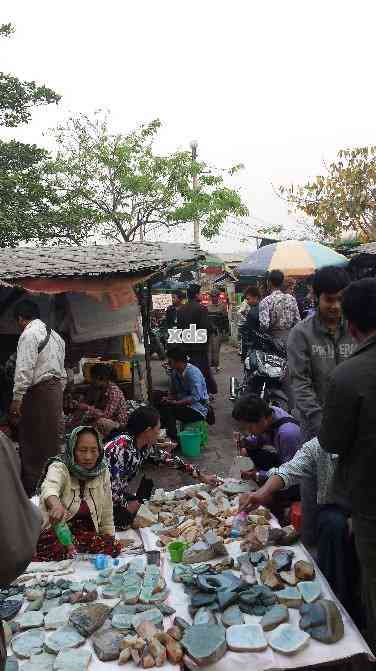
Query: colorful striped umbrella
(296, 258)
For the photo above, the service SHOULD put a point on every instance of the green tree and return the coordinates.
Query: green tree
(343, 198)
(25, 197)
(115, 187)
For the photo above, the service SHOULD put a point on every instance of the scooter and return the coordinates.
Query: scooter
(265, 368)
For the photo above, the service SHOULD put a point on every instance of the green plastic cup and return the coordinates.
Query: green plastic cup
(176, 550)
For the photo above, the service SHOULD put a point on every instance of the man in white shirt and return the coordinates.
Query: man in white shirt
(38, 392)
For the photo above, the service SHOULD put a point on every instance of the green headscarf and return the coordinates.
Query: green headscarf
(68, 459)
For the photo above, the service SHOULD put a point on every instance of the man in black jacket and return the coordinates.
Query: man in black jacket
(195, 313)
(349, 430)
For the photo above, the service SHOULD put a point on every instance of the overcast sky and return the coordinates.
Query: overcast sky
(275, 84)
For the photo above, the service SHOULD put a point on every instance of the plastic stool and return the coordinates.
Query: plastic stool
(201, 427)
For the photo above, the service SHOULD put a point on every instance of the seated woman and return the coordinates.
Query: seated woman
(76, 488)
(130, 448)
(105, 399)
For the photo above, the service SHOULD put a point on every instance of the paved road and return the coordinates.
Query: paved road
(218, 455)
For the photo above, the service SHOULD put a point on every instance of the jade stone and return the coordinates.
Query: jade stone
(290, 597)
(322, 620)
(11, 664)
(232, 616)
(31, 620)
(204, 616)
(246, 638)
(43, 662)
(62, 639)
(274, 617)
(202, 599)
(106, 643)
(288, 639)
(88, 619)
(154, 615)
(123, 622)
(58, 617)
(72, 660)
(28, 643)
(310, 590)
(205, 643)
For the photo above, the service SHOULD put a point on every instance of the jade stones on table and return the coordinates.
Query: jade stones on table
(11, 664)
(106, 643)
(257, 600)
(154, 615)
(274, 617)
(62, 639)
(72, 660)
(205, 644)
(310, 590)
(88, 619)
(322, 620)
(232, 616)
(304, 570)
(288, 639)
(246, 638)
(289, 597)
(43, 662)
(204, 616)
(131, 587)
(28, 643)
(31, 620)
(283, 559)
(270, 577)
(58, 617)
(151, 583)
(234, 487)
(211, 547)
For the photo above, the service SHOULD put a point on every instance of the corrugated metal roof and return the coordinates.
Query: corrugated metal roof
(128, 258)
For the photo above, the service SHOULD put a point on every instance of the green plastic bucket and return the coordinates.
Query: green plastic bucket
(176, 550)
(190, 442)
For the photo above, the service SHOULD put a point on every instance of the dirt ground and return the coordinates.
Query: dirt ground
(219, 453)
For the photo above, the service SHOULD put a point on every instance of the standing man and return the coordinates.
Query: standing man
(218, 320)
(315, 347)
(172, 310)
(279, 311)
(195, 313)
(38, 392)
(349, 430)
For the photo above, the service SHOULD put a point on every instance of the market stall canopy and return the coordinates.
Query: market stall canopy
(295, 258)
(100, 271)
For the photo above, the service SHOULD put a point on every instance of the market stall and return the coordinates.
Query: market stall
(226, 602)
(92, 294)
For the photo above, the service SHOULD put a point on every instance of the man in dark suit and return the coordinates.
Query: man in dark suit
(193, 312)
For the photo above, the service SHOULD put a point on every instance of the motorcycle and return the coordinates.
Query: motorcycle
(265, 368)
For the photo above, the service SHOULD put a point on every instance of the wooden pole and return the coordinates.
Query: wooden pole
(145, 314)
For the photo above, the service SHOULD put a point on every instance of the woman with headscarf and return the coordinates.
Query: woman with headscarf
(76, 488)
(129, 449)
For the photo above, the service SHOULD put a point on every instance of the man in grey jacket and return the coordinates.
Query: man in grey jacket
(349, 430)
(315, 347)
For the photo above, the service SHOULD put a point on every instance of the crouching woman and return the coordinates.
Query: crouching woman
(76, 488)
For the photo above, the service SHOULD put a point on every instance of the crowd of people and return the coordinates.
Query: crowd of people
(321, 450)
(330, 355)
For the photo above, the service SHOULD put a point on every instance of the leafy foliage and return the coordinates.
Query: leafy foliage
(115, 187)
(25, 197)
(344, 199)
